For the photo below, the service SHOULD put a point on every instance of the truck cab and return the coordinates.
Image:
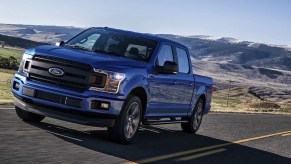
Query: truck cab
(112, 78)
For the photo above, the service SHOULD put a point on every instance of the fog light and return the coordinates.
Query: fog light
(99, 105)
(16, 86)
(104, 105)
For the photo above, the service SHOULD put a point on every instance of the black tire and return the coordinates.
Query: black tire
(195, 120)
(28, 116)
(127, 120)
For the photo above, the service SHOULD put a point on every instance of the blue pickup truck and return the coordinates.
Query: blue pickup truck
(112, 78)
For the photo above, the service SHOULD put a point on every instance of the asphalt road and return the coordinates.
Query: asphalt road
(222, 138)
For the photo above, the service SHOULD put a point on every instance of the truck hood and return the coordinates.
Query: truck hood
(97, 60)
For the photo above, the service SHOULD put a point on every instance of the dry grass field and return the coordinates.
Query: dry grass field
(5, 83)
(238, 99)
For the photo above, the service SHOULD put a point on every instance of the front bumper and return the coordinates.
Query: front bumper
(82, 113)
(70, 117)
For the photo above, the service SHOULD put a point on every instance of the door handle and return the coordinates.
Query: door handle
(183, 83)
(152, 75)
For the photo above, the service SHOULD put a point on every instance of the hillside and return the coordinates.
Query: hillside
(46, 34)
(232, 51)
(260, 74)
(11, 50)
(224, 58)
(223, 50)
(18, 42)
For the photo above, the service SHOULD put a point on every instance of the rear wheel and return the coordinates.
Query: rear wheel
(195, 120)
(128, 123)
(28, 116)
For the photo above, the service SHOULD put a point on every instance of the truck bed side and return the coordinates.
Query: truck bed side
(202, 89)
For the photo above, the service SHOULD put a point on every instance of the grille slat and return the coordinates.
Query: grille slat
(69, 101)
(77, 76)
(56, 82)
(63, 62)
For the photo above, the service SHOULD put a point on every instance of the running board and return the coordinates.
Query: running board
(164, 122)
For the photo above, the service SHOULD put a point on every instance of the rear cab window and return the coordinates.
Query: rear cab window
(135, 49)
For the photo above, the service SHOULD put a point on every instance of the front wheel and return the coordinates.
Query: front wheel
(128, 123)
(195, 120)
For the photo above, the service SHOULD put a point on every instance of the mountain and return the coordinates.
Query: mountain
(245, 63)
(38, 33)
(223, 58)
(18, 42)
(232, 51)
(224, 50)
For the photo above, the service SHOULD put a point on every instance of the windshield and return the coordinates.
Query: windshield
(114, 43)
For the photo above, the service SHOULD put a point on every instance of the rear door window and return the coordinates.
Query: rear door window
(183, 61)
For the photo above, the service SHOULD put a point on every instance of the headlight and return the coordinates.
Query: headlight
(24, 64)
(112, 82)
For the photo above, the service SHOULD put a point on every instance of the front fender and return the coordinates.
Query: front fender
(134, 82)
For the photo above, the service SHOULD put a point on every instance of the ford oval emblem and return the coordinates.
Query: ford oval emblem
(56, 71)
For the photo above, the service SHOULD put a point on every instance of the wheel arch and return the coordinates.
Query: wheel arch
(138, 86)
(194, 104)
(203, 97)
(141, 93)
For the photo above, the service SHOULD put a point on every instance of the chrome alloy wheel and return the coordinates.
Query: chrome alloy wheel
(132, 120)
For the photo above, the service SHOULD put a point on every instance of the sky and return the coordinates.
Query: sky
(264, 21)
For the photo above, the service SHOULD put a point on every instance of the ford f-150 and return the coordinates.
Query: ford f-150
(112, 78)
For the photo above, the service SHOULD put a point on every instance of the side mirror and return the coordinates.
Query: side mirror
(168, 68)
(60, 43)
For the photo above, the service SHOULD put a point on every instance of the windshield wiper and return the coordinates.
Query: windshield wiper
(107, 52)
(79, 47)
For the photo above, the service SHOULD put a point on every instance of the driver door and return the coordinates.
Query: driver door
(163, 89)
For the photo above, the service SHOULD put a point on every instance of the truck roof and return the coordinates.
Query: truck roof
(144, 35)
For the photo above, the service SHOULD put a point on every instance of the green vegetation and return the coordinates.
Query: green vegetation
(7, 52)
(10, 58)
(9, 61)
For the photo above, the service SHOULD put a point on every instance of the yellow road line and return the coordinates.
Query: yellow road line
(260, 137)
(171, 155)
(162, 157)
(201, 154)
(286, 134)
